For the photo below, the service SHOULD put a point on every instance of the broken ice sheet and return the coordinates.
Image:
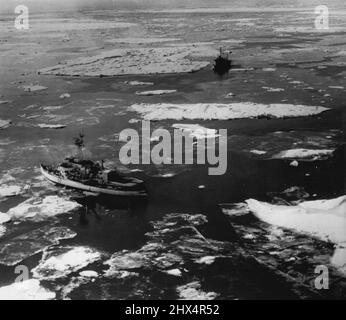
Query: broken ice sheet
(285, 241)
(174, 242)
(41, 208)
(222, 111)
(4, 123)
(15, 249)
(155, 92)
(120, 62)
(61, 262)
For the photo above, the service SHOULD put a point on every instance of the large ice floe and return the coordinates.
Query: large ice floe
(10, 190)
(131, 61)
(219, 111)
(38, 208)
(305, 154)
(323, 219)
(64, 261)
(192, 291)
(26, 290)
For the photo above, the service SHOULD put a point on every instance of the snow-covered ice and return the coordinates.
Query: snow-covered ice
(26, 290)
(37, 208)
(311, 154)
(219, 111)
(196, 131)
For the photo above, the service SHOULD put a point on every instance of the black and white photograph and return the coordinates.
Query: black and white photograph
(172, 150)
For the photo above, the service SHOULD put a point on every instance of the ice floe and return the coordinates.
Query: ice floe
(294, 163)
(64, 261)
(274, 143)
(4, 123)
(88, 274)
(196, 131)
(210, 111)
(65, 96)
(26, 290)
(193, 291)
(154, 92)
(306, 154)
(10, 190)
(121, 62)
(258, 152)
(206, 260)
(323, 219)
(37, 208)
(51, 126)
(4, 218)
(269, 69)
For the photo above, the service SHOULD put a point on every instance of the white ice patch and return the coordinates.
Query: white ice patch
(192, 291)
(269, 69)
(206, 260)
(258, 152)
(121, 62)
(2, 230)
(154, 92)
(38, 209)
(4, 217)
(51, 126)
(304, 154)
(197, 131)
(174, 272)
(4, 123)
(88, 274)
(26, 290)
(10, 190)
(142, 40)
(58, 265)
(218, 111)
(65, 96)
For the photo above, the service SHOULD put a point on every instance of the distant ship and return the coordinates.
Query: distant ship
(222, 63)
(90, 176)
